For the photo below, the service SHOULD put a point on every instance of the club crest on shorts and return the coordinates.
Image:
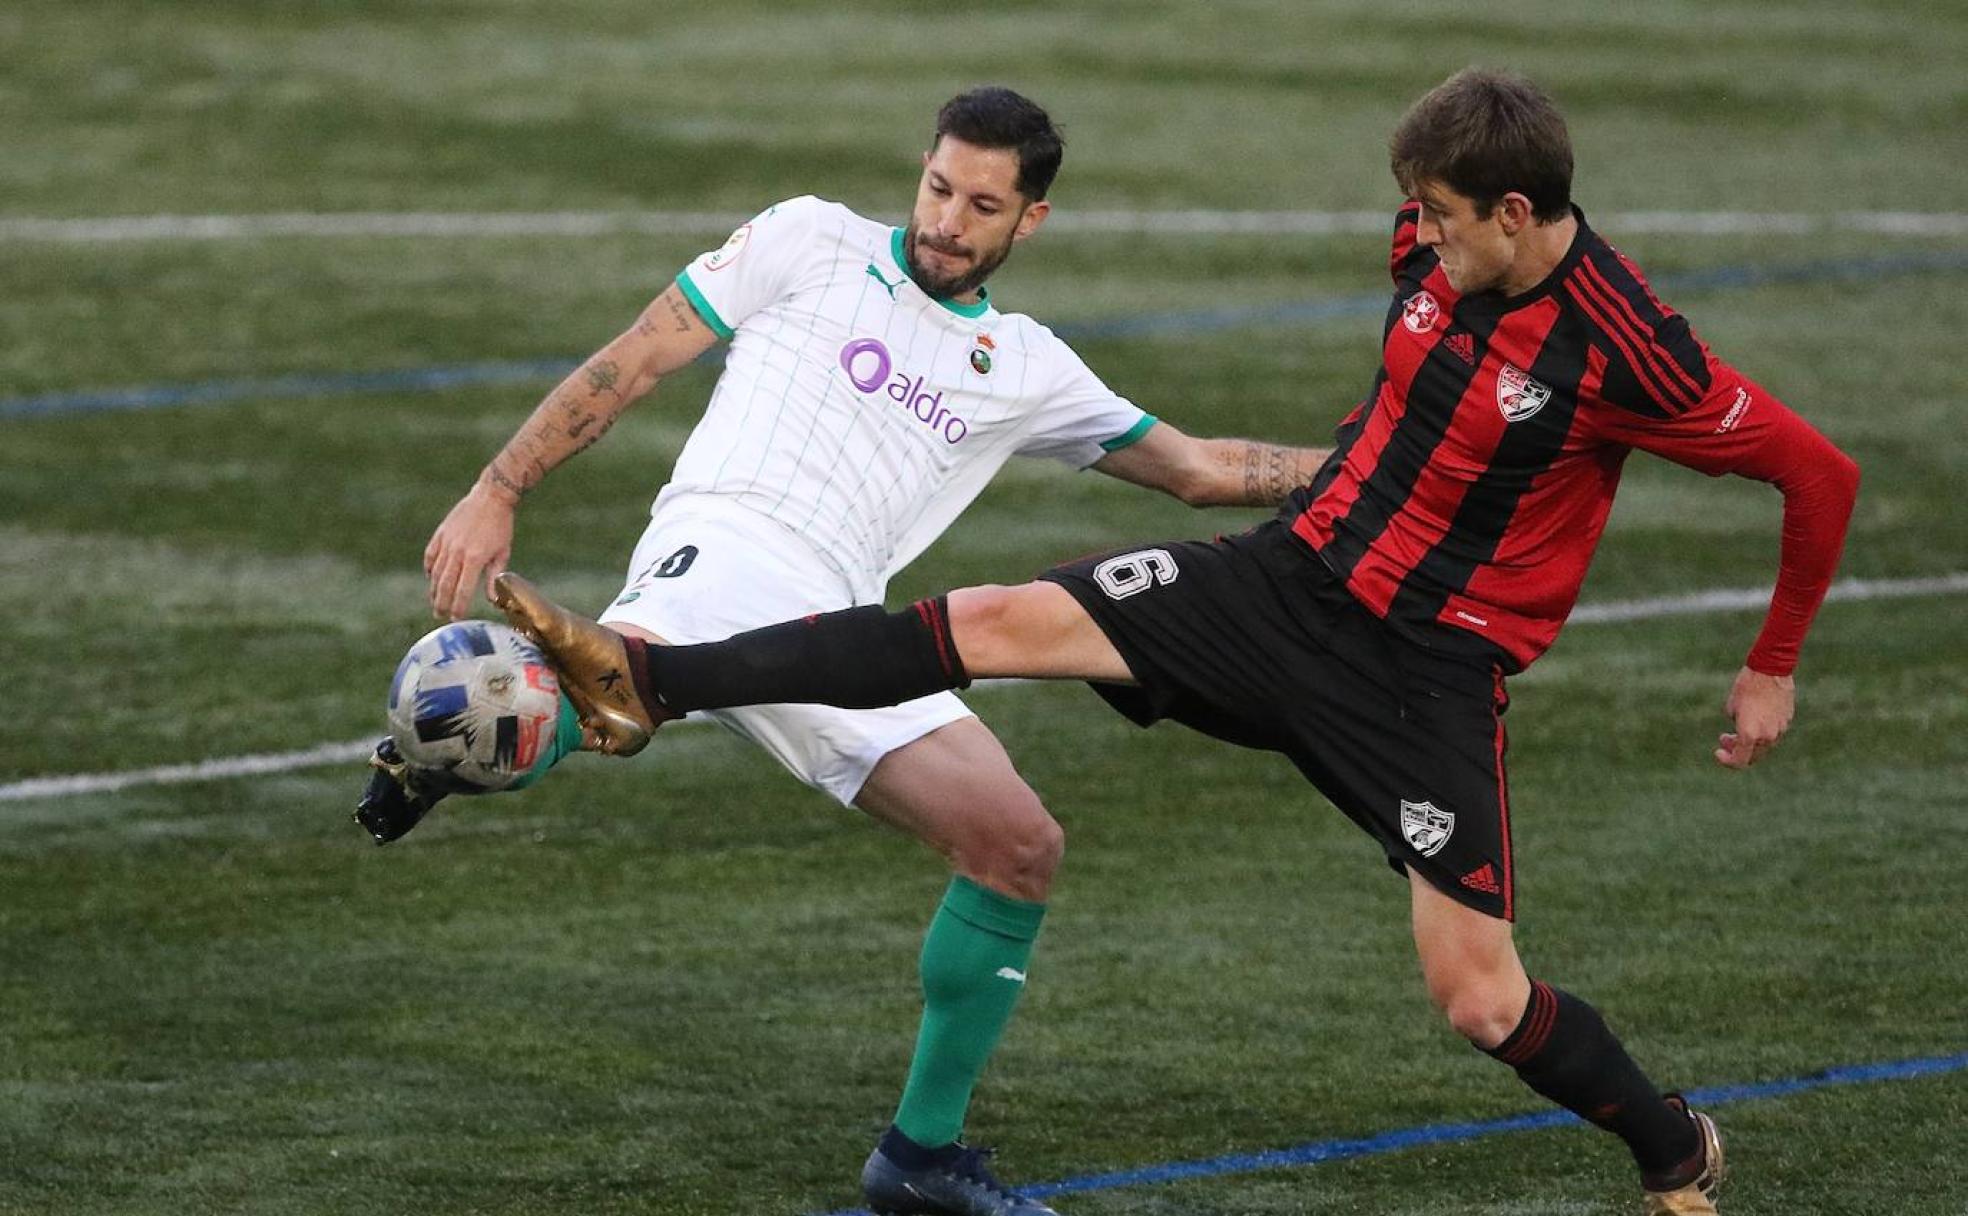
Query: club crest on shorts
(1519, 396)
(1426, 826)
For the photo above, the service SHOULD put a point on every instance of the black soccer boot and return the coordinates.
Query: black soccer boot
(397, 797)
(951, 1181)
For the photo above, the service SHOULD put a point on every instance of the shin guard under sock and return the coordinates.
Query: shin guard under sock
(1563, 1049)
(858, 658)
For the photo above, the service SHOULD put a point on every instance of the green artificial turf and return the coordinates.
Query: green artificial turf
(684, 984)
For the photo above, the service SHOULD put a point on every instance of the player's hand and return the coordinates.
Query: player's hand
(474, 542)
(1762, 707)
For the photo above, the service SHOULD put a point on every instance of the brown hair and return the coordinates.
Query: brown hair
(992, 116)
(1485, 134)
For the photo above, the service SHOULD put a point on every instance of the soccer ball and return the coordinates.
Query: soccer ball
(473, 707)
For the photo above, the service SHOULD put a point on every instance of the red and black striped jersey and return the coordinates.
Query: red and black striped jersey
(1470, 488)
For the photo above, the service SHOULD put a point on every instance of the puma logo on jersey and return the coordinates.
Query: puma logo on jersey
(877, 276)
(1011, 973)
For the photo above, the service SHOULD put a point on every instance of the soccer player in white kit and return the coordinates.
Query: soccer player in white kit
(871, 390)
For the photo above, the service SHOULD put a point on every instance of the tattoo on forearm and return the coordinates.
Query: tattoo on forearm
(587, 437)
(566, 423)
(1271, 473)
(498, 478)
(578, 420)
(570, 407)
(603, 375)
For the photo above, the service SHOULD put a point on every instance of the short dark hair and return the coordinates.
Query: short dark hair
(1485, 134)
(995, 117)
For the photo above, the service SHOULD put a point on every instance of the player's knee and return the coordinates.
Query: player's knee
(983, 616)
(1041, 845)
(1015, 855)
(1000, 628)
(1479, 1011)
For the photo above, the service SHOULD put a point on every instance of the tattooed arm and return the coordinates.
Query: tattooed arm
(1213, 472)
(475, 539)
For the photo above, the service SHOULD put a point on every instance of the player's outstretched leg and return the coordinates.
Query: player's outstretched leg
(592, 662)
(1560, 1047)
(857, 658)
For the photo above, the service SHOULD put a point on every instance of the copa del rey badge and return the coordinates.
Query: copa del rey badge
(1426, 826)
(1519, 396)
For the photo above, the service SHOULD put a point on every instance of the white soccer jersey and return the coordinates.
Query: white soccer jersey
(858, 412)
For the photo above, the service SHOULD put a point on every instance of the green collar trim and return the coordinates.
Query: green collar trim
(967, 311)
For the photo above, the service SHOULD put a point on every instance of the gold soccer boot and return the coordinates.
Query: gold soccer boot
(593, 663)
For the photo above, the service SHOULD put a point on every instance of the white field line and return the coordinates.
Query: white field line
(466, 225)
(174, 774)
(356, 749)
(1750, 597)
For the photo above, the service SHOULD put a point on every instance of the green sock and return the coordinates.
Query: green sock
(973, 968)
(566, 741)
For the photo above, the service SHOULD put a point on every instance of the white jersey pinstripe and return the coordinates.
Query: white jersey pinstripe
(861, 414)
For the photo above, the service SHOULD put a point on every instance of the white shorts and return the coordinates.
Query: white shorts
(704, 571)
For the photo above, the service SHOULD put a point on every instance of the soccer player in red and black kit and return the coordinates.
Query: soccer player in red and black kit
(1367, 633)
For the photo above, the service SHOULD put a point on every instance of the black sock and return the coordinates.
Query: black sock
(1563, 1049)
(859, 658)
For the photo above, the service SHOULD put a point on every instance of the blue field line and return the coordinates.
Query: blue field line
(220, 392)
(1452, 1133)
(1196, 322)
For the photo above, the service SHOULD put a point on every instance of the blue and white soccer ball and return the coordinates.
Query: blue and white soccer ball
(474, 706)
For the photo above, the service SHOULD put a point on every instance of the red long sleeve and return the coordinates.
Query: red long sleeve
(1819, 485)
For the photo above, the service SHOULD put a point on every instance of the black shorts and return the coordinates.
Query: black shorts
(1252, 639)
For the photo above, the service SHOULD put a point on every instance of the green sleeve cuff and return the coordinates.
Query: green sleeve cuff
(703, 306)
(1132, 435)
